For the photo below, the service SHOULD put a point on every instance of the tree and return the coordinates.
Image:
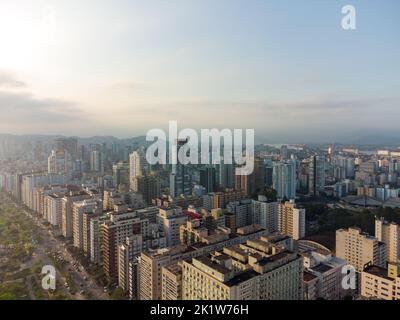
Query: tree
(117, 294)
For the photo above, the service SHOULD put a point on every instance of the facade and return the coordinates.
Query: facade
(152, 262)
(380, 283)
(256, 270)
(137, 167)
(242, 212)
(265, 214)
(66, 208)
(180, 177)
(170, 220)
(359, 249)
(389, 233)
(171, 282)
(79, 208)
(316, 175)
(148, 186)
(291, 220)
(323, 273)
(122, 224)
(127, 252)
(284, 179)
(133, 272)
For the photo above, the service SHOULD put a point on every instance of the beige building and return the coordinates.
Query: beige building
(53, 208)
(170, 220)
(323, 272)
(192, 232)
(66, 210)
(127, 252)
(389, 233)
(380, 283)
(78, 209)
(171, 282)
(122, 224)
(151, 262)
(292, 220)
(359, 249)
(257, 270)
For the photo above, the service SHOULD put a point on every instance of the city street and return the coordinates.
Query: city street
(84, 286)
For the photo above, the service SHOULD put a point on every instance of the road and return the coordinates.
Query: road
(86, 286)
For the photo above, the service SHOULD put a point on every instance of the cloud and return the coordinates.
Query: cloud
(24, 108)
(8, 80)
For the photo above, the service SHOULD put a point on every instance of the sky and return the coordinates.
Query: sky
(284, 68)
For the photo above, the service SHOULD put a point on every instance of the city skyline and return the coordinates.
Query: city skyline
(101, 69)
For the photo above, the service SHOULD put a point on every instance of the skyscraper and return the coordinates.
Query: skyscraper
(180, 178)
(389, 233)
(208, 178)
(359, 249)
(292, 220)
(137, 167)
(316, 175)
(284, 179)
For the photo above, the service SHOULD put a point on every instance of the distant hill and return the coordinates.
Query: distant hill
(86, 140)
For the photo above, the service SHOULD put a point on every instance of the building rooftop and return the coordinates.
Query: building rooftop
(307, 276)
(377, 271)
(322, 268)
(242, 277)
(211, 264)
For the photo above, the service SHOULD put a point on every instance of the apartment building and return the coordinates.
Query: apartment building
(380, 283)
(256, 270)
(151, 262)
(170, 220)
(359, 249)
(79, 208)
(292, 220)
(389, 233)
(171, 282)
(322, 272)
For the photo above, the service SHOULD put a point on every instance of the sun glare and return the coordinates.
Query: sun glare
(23, 38)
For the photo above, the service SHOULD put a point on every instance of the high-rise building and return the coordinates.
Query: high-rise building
(253, 183)
(68, 144)
(292, 220)
(151, 262)
(66, 215)
(180, 177)
(128, 251)
(121, 173)
(316, 175)
(359, 249)
(284, 179)
(265, 214)
(79, 208)
(137, 167)
(284, 152)
(149, 186)
(122, 224)
(170, 220)
(96, 161)
(133, 273)
(221, 199)
(323, 273)
(226, 175)
(208, 178)
(171, 282)
(389, 233)
(381, 283)
(242, 211)
(59, 162)
(256, 270)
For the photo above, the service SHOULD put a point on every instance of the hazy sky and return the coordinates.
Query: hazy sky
(283, 67)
